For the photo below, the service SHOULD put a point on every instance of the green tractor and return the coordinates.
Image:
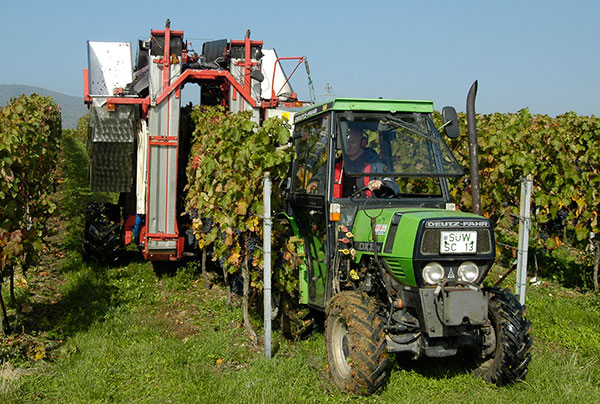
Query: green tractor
(391, 263)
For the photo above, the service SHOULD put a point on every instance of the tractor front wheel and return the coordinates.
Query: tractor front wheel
(510, 340)
(356, 345)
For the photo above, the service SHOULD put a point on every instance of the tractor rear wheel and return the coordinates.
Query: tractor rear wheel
(356, 345)
(509, 360)
(102, 237)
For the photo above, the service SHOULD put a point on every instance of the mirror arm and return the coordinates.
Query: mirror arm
(444, 125)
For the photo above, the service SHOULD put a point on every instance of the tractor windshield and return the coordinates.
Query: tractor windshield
(397, 144)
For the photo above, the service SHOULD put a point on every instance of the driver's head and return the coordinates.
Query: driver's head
(357, 142)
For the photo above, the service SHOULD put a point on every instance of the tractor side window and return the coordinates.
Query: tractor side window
(311, 157)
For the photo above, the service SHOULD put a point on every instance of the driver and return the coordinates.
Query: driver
(360, 159)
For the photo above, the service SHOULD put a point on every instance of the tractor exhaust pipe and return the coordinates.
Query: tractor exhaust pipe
(473, 149)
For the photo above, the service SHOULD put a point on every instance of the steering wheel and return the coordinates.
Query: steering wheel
(358, 192)
(384, 192)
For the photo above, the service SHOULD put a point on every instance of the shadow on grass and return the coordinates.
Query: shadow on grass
(84, 298)
(435, 368)
(167, 268)
(85, 295)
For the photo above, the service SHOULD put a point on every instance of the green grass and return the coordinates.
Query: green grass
(131, 335)
(170, 339)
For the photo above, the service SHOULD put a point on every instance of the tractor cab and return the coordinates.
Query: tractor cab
(353, 155)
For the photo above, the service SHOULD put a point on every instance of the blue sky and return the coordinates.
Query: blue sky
(538, 54)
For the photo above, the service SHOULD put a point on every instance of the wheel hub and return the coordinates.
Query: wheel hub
(341, 349)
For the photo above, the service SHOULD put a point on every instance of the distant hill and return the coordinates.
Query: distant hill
(72, 108)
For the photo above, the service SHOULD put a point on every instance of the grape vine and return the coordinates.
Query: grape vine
(30, 129)
(563, 156)
(229, 157)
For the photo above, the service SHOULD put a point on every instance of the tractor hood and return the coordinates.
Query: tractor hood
(408, 238)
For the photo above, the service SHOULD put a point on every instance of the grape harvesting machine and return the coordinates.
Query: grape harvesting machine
(139, 139)
(391, 263)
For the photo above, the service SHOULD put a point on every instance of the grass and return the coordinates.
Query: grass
(170, 339)
(131, 335)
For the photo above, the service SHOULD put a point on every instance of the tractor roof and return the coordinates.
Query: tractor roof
(362, 104)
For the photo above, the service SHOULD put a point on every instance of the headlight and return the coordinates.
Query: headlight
(433, 273)
(468, 271)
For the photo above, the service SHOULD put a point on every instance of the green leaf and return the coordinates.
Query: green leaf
(247, 125)
(283, 135)
(581, 233)
(550, 244)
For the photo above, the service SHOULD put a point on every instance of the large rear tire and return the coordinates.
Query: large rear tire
(356, 345)
(508, 362)
(102, 238)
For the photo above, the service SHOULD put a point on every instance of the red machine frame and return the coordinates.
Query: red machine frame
(188, 75)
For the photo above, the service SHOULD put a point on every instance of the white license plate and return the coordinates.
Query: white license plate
(458, 242)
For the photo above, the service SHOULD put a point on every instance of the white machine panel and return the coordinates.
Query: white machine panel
(110, 66)
(268, 62)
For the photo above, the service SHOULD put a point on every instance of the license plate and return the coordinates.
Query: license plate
(458, 242)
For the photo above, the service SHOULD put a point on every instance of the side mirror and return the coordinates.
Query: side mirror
(451, 126)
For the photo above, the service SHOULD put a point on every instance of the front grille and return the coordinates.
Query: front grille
(431, 241)
(395, 267)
